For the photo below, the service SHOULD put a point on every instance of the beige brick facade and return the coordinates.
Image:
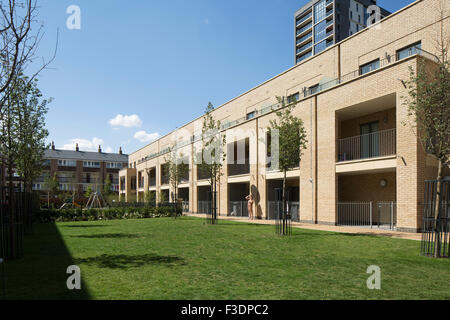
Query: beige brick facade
(338, 112)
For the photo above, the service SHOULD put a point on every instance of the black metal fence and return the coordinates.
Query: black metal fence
(381, 214)
(436, 229)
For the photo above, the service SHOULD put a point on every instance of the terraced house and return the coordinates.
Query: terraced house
(78, 170)
(363, 166)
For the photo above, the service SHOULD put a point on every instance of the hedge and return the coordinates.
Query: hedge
(69, 215)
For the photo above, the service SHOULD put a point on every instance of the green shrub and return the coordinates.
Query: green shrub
(69, 215)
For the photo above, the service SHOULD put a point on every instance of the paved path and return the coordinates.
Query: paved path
(352, 230)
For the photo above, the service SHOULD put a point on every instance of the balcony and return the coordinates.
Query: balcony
(303, 29)
(304, 57)
(303, 48)
(304, 19)
(304, 38)
(368, 146)
(239, 169)
(391, 58)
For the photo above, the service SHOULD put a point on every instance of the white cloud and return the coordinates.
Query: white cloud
(126, 121)
(143, 136)
(84, 144)
(109, 150)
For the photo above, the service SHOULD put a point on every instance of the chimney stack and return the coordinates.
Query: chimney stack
(76, 148)
(120, 150)
(99, 149)
(53, 145)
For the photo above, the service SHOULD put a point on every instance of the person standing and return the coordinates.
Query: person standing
(250, 201)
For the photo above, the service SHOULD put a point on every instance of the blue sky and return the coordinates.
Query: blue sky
(159, 62)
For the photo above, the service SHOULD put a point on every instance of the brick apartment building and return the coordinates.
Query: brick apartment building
(362, 165)
(81, 169)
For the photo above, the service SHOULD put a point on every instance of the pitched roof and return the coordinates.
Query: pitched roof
(85, 156)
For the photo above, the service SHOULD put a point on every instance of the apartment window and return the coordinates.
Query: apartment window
(357, 7)
(320, 31)
(67, 163)
(293, 98)
(409, 51)
(313, 89)
(251, 115)
(114, 165)
(351, 14)
(37, 186)
(320, 47)
(91, 164)
(369, 67)
(320, 11)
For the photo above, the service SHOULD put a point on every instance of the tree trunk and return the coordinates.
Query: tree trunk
(437, 247)
(284, 227)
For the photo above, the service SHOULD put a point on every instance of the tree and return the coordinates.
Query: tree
(292, 141)
(88, 192)
(428, 106)
(212, 156)
(30, 111)
(177, 169)
(20, 34)
(107, 187)
(51, 185)
(150, 197)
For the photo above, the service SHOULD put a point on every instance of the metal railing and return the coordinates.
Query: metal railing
(309, 35)
(306, 46)
(303, 29)
(304, 18)
(274, 208)
(238, 209)
(390, 58)
(239, 169)
(204, 207)
(359, 214)
(355, 213)
(372, 145)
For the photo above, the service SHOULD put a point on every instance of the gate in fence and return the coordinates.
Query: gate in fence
(436, 220)
(368, 214)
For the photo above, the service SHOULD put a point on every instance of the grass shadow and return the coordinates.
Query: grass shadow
(42, 273)
(108, 236)
(84, 226)
(126, 262)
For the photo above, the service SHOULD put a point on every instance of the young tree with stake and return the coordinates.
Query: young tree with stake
(212, 157)
(291, 143)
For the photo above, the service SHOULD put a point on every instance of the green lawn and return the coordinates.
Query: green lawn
(186, 259)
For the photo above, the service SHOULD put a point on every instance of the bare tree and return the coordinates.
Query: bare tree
(20, 34)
